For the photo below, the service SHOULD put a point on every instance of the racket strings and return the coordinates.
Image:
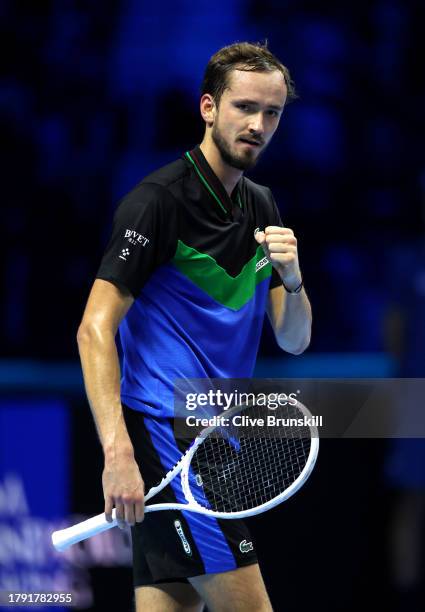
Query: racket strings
(240, 468)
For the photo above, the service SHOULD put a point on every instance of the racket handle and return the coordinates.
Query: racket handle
(64, 538)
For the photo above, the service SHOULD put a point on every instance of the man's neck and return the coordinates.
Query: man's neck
(228, 176)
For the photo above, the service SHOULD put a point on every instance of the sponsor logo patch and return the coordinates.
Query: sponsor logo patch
(245, 546)
(260, 264)
(124, 254)
(135, 238)
(186, 546)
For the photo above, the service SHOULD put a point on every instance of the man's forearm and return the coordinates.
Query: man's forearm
(292, 327)
(101, 370)
(290, 313)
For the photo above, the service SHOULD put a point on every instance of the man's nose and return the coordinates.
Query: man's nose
(257, 123)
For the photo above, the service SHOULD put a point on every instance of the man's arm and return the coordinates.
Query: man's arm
(289, 313)
(290, 316)
(122, 483)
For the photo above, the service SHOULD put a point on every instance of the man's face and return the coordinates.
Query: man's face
(248, 115)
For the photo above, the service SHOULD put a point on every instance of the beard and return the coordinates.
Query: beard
(241, 161)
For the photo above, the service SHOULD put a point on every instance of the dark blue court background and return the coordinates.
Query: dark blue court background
(93, 96)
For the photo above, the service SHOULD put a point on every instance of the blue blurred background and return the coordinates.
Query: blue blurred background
(95, 95)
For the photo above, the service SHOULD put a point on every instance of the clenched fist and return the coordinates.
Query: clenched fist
(280, 247)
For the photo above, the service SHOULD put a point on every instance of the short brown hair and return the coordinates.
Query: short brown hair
(254, 57)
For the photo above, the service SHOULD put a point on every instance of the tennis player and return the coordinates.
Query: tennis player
(187, 278)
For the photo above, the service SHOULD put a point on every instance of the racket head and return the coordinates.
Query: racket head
(236, 472)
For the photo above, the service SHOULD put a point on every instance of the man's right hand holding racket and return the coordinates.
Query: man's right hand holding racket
(123, 486)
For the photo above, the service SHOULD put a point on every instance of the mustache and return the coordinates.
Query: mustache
(258, 141)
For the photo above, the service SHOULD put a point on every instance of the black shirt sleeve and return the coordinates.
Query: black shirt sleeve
(275, 219)
(144, 236)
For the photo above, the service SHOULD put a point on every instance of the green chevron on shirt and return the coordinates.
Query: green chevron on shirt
(205, 273)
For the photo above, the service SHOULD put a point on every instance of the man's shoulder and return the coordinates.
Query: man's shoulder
(168, 174)
(260, 192)
(263, 203)
(156, 186)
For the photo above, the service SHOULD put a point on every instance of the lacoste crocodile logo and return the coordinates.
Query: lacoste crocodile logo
(245, 546)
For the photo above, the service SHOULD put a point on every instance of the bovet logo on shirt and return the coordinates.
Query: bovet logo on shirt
(185, 543)
(135, 238)
(124, 254)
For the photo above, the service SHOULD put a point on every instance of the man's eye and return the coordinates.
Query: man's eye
(272, 113)
(242, 106)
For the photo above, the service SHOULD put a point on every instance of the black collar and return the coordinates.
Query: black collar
(230, 206)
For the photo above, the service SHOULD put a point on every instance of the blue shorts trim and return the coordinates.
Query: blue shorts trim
(206, 532)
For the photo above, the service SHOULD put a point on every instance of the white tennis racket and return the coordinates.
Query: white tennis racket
(232, 470)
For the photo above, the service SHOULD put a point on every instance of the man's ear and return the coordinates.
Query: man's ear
(208, 109)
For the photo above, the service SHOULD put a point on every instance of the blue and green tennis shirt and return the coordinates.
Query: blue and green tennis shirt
(186, 251)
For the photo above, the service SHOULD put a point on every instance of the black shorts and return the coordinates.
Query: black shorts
(172, 545)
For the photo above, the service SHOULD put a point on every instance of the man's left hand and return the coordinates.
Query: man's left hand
(280, 247)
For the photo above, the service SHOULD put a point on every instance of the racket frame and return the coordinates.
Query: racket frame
(64, 538)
